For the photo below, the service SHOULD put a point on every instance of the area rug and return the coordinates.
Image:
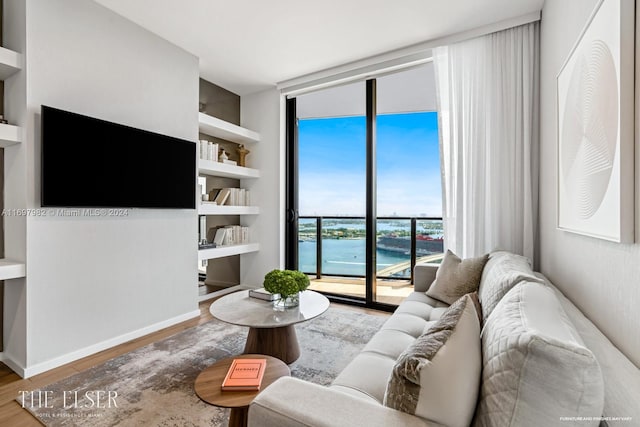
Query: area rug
(153, 385)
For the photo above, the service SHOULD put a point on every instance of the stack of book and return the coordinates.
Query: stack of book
(244, 375)
(231, 235)
(208, 150)
(230, 196)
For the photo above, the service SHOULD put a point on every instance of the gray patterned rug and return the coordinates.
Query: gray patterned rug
(154, 384)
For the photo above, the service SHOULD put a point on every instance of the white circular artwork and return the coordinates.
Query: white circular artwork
(590, 129)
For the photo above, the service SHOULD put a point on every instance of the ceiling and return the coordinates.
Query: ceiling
(250, 45)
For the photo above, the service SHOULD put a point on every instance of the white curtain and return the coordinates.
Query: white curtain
(488, 91)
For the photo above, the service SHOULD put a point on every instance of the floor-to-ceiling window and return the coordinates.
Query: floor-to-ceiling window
(362, 150)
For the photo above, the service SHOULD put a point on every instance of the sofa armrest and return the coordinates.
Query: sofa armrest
(290, 402)
(423, 276)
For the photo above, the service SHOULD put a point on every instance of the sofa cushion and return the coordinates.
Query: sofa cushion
(535, 368)
(456, 277)
(437, 377)
(501, 273)
(367, 374)
(416, 314)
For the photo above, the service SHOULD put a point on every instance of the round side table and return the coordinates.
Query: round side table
(209, 382)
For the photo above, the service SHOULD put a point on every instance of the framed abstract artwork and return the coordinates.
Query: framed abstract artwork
(596, 127)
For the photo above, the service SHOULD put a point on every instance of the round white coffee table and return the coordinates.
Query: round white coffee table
(271, 331)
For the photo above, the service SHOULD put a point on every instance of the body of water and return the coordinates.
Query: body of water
(344, 257)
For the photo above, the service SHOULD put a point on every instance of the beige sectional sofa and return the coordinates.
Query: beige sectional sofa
(543, 363)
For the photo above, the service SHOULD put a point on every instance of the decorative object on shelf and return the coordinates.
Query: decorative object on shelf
(287, 283)
(223, 156)
(3, 120)
(242, 154)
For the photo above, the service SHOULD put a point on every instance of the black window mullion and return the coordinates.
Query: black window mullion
(371, 197)
(291, 227)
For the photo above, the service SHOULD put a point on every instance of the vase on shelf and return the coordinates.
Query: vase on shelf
(287, 302)
(223, 156)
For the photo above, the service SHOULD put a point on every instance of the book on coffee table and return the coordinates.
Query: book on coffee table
(261, 293)
(244, 375)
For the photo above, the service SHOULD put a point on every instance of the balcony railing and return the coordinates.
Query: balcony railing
(336, 246)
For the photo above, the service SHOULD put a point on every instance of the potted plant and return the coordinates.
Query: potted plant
(287, 283)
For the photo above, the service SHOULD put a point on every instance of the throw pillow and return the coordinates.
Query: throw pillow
(536, 371)
(456, 277)
(438, 376)
(503, 271)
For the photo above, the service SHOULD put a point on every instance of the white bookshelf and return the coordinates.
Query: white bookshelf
(221, 129)
(224, 130)
(10, 63)
(211, 209)
(11, 269)
(227, 250)
(208, 167)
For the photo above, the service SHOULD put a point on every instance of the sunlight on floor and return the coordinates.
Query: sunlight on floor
(388, 291)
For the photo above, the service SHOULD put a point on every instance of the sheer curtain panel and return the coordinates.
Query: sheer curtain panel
(488, 91)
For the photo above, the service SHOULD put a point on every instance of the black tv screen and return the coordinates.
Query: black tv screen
(88, 162)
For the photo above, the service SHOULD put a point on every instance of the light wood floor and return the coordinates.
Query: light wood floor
(11, 412)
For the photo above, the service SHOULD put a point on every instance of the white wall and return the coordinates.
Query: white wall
(93, 282)
(601, 278)
(264, 113)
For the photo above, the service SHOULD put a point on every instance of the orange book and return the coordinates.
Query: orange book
(244, 375)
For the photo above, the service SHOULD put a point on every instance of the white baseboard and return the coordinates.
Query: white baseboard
(95, 348)
(15, 367)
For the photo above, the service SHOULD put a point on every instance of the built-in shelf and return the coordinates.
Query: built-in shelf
(211, 209)
(221, 129)
(207, 167)
(225, 130)
(11, 269)
(229, 250)
(9, 135)
(10, 63)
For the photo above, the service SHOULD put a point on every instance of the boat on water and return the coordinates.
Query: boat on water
(425, 244)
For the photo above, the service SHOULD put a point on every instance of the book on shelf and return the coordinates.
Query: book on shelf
(220, 237)
(202, 229)
(236, 235)
(213, 193)
(244, 375)
(263, 294)
(208, 150)
(225, 235)
(222, 196)
(230, 196)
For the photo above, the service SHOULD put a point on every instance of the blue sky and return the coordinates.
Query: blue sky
(332, 165)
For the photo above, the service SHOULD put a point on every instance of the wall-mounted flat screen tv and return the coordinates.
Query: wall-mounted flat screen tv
(88, 162)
